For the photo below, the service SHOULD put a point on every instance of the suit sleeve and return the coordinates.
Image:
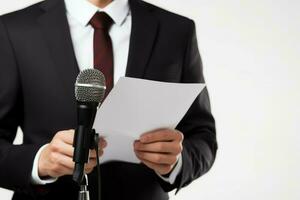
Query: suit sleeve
(15, 160)
(198, 125)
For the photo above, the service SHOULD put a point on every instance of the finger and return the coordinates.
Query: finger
(60, 170)
(63, 160)
(102, 143)
(67, 136)
(159, 147)
(66, 149)
(160, 136)
(157, 158)
(159, 168)
(91, 163)
(93, 154)
(88, 170)
(101, 153)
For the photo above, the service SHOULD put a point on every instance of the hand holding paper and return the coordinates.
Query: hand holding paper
(159, 149)
(137, 106)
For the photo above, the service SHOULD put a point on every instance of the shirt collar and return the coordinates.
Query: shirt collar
(83, 10)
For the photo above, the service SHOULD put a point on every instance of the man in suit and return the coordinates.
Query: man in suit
(43, 48)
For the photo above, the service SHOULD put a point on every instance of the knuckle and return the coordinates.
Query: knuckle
(53, 157)
(56, 159)
(158, 158)
(55, 146)
(160, 147)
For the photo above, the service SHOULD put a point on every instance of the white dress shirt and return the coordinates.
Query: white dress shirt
(79, 13)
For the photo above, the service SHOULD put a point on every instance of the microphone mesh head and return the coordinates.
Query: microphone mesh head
(90, 86)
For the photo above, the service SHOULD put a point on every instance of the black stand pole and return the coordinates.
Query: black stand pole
(81, 178)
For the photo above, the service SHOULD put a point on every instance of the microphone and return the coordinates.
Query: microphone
(89, 92)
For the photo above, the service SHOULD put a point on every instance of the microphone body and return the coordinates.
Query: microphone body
(89, 93)
(83, 140)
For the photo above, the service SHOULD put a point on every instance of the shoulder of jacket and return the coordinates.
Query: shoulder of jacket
(168, 16)
(21, 15)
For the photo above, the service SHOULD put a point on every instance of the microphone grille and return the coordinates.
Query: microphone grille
(90, 86)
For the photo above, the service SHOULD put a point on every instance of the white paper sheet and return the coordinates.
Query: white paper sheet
(136, 106)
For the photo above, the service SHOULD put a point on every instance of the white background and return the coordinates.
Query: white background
(250, 51)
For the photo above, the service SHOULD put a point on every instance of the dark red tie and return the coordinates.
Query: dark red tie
(103, 54)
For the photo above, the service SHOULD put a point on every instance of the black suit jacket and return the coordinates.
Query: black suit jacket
(38, 71)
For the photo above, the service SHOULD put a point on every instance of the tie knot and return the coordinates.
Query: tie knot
(101, 21)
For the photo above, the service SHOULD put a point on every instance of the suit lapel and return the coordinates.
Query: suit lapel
(143, 34)
(55, 29)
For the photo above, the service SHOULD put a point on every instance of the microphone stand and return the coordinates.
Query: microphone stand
(84, 193)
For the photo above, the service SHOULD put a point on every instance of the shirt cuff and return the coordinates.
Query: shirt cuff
(171, 179)
(35, 179)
